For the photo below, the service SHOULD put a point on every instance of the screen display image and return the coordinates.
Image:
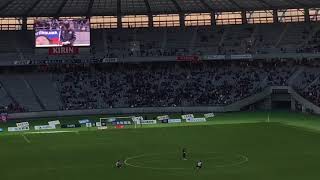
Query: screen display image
(62, 32)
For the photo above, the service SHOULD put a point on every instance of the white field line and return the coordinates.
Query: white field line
(243, 160)
(26, 139)
(51, 132)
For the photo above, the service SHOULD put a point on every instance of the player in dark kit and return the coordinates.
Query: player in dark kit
(68, 35)
(184, 154)
(119, 164)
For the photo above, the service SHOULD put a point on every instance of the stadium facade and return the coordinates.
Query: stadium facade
(19, 14)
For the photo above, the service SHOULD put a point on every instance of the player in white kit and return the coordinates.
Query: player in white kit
(199, 165)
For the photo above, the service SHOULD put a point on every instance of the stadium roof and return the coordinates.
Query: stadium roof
(39, 8)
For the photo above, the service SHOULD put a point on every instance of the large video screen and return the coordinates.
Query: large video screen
(62, 32)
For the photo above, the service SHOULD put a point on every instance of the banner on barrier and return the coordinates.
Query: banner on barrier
(109, 60)
(214, 57)
(44, 127)
(70, 125)
(98, 124)
(174, 121)
(188, 58)
(110, 120)
(1, 130)
(118, 126)
(161, 118)
(165, 121)
(22, 124)
(121, 122)
(56, 122)
(84, 121)
(148, 122)
(18, 129)
(194, 120)
(101, 124)
(187, 116)
(241, 56)
(102, 127)
(209, 115)
(136, 119)
(88, 125)
(63, 50)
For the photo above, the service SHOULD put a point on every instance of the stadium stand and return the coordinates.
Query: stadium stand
(277, 47)
(158, 84)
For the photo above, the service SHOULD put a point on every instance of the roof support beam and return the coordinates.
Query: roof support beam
(297, 2)
(181, 14)
(213, 19)
(205, 4)
(212, 12)
(60, 8)
(244, 17)
(177, 6)
(89, 8)
(275, 16)
(236, 4)
(119, 11)
(150, 17)
(119, 14)
(148, 6)
(5, 5)
(306, 15)
(266, 3)
(32, 7)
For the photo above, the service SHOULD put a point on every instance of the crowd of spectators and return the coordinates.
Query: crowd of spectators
(170, 84)
(246, 39)
(167, 84)
(12, 108)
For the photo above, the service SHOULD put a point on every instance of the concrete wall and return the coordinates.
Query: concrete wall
(116, 111)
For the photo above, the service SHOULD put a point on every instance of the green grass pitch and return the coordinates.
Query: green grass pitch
(232, 146)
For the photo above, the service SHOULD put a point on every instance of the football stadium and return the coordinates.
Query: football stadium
(159, 89)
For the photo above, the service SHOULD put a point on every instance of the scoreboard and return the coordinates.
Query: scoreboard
(62, 32)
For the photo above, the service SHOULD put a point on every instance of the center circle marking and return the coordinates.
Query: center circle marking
(242, 159)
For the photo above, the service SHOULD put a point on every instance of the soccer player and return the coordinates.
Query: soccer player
(199, 165)
(184, 154)
(119, 164)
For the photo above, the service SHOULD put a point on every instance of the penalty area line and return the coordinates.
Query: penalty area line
(26, 139)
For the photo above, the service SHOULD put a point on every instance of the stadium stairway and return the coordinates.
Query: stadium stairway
(304, 78)
(35, 94)
(314, 82)
(19, 90)
(315, 28)
(282, 35)
(45, 90)
(295, 75)
(5, 97)
(237, 106)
